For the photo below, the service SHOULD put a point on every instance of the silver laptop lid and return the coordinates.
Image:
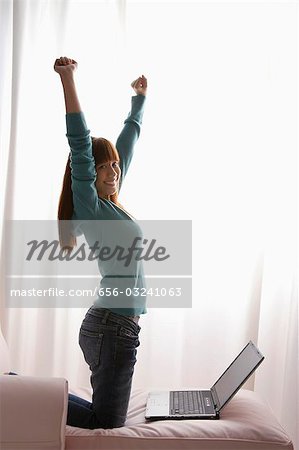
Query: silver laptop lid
(236, 375)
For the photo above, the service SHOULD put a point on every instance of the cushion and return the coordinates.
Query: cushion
(32, 412)
(246, 423)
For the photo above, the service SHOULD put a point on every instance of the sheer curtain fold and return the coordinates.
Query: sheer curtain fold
(22, 51)
(213, 145)
(6, 45)
(278, 336)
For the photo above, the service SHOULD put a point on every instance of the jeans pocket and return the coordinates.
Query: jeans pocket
(128, 336)
(91, 344)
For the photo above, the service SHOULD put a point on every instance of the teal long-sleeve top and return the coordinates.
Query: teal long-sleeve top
(88, 206)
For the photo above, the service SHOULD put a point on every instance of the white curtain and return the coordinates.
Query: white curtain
(219, 147)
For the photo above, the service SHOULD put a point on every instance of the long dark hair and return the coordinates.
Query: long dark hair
(103, 151)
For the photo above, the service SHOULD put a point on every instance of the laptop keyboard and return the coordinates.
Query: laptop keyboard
(190, 402)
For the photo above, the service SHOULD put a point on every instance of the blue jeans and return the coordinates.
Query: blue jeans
(108, 341)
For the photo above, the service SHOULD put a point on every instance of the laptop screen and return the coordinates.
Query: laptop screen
(236, 374)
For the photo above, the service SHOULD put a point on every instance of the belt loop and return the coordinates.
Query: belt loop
(106, 315)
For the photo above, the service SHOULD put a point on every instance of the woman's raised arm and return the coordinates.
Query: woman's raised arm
(83, 172)
(66, 68)
(131, 130)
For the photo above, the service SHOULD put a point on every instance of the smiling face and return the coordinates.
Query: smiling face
(106, 159)
(108, 175)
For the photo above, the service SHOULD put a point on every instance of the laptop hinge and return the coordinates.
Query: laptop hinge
(215, 398)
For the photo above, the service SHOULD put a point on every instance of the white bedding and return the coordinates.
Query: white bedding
(246, 423)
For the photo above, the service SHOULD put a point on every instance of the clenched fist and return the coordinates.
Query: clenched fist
(140, 85)
(65, 65)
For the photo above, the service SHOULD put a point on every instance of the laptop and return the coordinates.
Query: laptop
(205, 404)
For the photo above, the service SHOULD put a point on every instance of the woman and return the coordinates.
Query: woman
(109, 332)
